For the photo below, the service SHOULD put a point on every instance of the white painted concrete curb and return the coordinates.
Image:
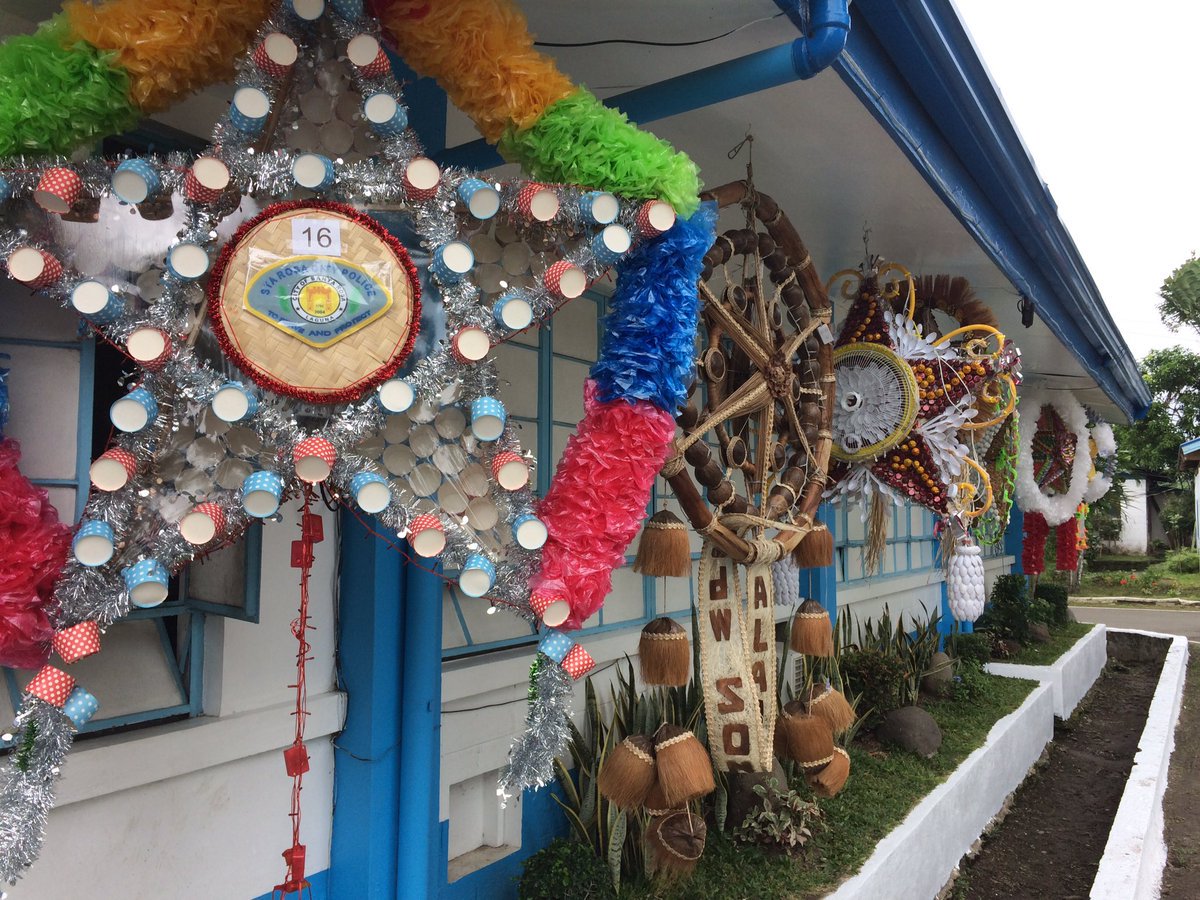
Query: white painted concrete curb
(1071, 676)
(1136, 853)
(917, 858)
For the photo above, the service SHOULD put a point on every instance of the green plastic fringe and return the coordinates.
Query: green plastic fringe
(58, 93)
(578, 140)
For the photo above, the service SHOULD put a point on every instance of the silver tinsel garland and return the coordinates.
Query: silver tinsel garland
(188, 441)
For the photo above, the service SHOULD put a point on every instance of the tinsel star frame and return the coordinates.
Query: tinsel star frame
(178, 386)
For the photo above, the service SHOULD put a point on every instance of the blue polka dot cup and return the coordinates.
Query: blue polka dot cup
(555, 645)
(452, 262)
(147, 583)
(610, 244)
(97, 302)
(600, 207)
(249, 110)
(481, 199)
(262, 492)
(135, 181)
(5, 189)
(371, 491)
(80, 707)
(529, 531)
(349, 10)
(314, 171)
(135, 411)
(488, 418)
(384, 113)
(513, 311)
(477, 575)
(187, 261)
(233, 403)
(93, 543)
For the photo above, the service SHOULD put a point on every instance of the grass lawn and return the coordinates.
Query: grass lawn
(883, 787)
(1061, 640)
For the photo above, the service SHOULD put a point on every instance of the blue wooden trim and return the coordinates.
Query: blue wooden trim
(137, 718)
(462, 620)
(915, 69)
(195, 660)
(318, 888)
(822, 582)
(172, 659)
(366, 830)
(14, 691)
(38, 342)
(418, 871)
(83, 428)
(1014, 536)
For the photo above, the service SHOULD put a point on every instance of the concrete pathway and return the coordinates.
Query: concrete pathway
(1166, 621)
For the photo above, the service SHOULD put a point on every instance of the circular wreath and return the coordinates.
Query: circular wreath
(1032, 497)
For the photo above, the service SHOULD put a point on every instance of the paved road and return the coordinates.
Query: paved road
(1166, 621)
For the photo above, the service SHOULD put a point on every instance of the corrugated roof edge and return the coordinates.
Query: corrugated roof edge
(915, 67)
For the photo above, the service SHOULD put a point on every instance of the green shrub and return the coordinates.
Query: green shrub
(1181, 562)
(565, 869)
(1040, 611)
(877, 677)
(781, 821)
(913, 648)
(1007, 613)
(973, 649)
(969, 685)
(1056, 596)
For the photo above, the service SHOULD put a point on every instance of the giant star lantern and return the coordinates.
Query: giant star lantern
(280, 337)
(904, 398)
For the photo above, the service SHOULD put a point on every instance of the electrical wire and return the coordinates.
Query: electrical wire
(641, 43)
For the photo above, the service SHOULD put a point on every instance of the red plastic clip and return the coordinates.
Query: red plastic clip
(313, 527)
(295, 760)
(302, 554)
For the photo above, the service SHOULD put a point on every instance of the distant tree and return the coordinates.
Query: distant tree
(1180, 295)
(1152, 445)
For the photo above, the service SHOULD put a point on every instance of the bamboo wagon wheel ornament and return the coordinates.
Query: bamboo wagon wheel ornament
(766, 362)
(906, 397)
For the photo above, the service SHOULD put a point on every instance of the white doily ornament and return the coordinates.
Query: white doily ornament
(1104, 458)
(1054, 507)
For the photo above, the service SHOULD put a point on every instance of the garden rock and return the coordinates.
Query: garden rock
(911, 728)
(742, 799)
(939, 676)
(1039, 632)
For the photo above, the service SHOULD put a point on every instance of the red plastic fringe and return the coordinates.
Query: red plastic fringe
(1033, 549)
(1066, 550)
(34, 552)
(598, 498)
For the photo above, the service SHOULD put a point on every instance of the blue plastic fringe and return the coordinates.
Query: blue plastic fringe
(649, 337)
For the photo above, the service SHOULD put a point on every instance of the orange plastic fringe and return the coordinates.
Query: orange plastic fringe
(481, 53)
(170, 48)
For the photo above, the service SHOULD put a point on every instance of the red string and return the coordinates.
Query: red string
(296, 756)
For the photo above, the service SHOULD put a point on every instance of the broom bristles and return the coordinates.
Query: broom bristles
(628, 773)
(664, 548)
(812, 632)
(656, 803)
(676, 843)
(684, 767)
(664, 654)
(809, 740)
(831, 705)
(815, 549)
(831, 779)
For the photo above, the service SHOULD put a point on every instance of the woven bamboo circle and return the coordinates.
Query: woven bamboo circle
(280, 360)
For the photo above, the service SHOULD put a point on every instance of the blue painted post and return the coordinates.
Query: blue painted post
(418, 873)
(1014, 537)
(364, 853)
(822, 582)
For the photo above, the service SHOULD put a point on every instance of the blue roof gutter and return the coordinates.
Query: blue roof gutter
(913, 65)
(795, 60)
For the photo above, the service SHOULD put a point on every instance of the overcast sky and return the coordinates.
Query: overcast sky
(1104, 95)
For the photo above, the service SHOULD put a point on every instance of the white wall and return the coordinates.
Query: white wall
(201, 807)
(1134, 523)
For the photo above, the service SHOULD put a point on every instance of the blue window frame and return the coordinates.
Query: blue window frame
(911, 545)
(163, 645)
